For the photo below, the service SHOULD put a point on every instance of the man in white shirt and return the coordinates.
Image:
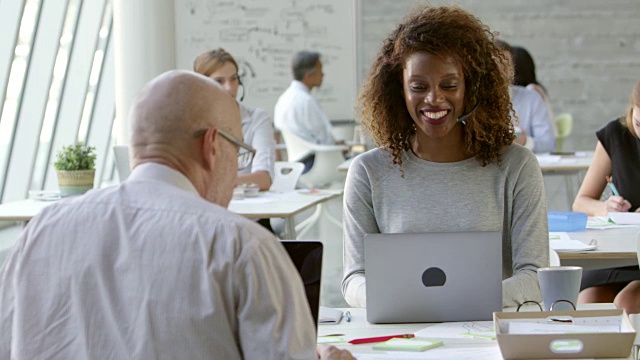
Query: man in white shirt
(157, 268)
(297, 110)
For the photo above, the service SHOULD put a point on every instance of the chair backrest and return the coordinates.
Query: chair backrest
(324, 171)
(564, 125)
(286, 175)
(121, 157)
(325, 165)
(297, 148)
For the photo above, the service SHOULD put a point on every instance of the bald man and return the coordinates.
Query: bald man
(157, 268)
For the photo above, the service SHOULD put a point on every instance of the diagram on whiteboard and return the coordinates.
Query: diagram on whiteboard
(264, 35)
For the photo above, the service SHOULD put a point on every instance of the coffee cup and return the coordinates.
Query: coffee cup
(560, 285)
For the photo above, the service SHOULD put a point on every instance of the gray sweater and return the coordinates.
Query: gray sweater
(441, 197)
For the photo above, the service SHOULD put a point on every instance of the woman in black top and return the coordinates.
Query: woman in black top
(617, 155)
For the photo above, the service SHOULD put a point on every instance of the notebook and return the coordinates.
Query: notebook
(433, 277)
(121, 156)
(307, 257)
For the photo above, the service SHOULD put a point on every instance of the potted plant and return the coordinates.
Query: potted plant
(75, 165)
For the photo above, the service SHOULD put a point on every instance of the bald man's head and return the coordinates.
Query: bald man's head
(175, 104)
(170, 110)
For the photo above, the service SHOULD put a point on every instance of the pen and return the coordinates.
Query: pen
(613, 187)
(380, 339)
(347, 316)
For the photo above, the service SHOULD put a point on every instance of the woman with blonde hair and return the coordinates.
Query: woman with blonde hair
(437, 105)
(616, 159)
(257, 129)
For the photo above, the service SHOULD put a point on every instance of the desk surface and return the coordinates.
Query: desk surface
(615, 247)
(580, 160)
(266, 205)
(463, 348)
(281, 205)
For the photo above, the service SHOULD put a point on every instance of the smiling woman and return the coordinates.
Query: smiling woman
(434, 93)
(437, 105)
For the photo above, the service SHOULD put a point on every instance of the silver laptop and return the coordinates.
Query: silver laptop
(433, 277)
(121, 156)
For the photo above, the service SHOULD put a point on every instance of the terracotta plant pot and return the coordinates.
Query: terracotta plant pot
(75, 182)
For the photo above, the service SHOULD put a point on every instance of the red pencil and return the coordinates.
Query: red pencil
(380, 339)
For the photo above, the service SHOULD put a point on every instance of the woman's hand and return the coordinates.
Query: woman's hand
(616, 204)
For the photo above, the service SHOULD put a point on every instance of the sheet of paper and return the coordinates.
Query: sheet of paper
(328, 315)
(625, 218)
(560, 241)
(526, 328)
(459, 330)
(330, 339)
(603, 223)
(444, 353)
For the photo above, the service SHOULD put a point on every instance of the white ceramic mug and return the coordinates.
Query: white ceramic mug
(559, 283)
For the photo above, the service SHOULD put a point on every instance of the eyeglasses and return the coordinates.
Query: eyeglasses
(245, 151)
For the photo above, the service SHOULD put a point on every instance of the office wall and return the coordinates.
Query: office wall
(587, 52)
(263, 37)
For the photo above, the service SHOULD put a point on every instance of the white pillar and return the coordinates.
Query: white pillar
(144, 48)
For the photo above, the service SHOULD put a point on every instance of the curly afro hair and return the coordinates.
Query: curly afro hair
(444, 30)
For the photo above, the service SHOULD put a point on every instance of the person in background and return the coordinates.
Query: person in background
(437, 104)
(298, 111)
(535, 129)
(525, 75)
(257, 130)
(157, 267)
(525, 71)
(617, 155)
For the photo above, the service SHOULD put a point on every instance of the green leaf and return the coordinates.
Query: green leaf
(76, 157)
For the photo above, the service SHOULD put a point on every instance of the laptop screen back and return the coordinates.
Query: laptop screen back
(307, 257)
(433, 277)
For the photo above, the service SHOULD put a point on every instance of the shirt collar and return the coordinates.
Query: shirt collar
(300, 86)
(152, 171)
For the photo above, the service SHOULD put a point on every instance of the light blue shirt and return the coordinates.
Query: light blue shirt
(534, 119)
(258, 132)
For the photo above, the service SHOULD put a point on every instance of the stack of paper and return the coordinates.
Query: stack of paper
(625, 218)
(561, 242)
(607, 222)
(516, 327)
(459, 330)
(329, 315)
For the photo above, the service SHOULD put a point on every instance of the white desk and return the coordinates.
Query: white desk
(282, 205)
(615, 247)
(359, 328)
(572, 167)
(266, 205)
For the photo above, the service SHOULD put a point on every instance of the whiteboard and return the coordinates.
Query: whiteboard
(264, 35)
